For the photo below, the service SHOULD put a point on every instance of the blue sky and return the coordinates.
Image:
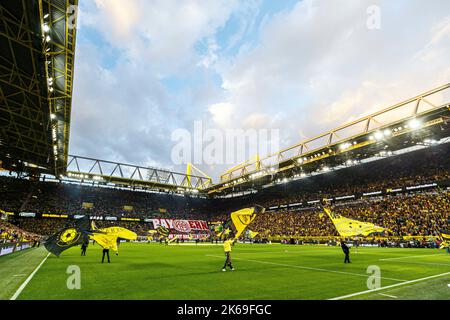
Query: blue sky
(147, 68)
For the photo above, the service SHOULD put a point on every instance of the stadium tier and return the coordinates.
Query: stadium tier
(406, 194)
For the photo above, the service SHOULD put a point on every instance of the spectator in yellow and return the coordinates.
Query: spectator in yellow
(227, 248)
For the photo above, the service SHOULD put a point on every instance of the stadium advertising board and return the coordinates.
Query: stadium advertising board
(9, 248)
(60, 216)
(27, 214)
(130, 219)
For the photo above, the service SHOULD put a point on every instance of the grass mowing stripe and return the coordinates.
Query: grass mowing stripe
(310, 268)
(391, 286)
(24, 284)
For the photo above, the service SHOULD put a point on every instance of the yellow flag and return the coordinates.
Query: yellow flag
(173, 239)
(349, 228)
(242, 218)
(445, 235)
(252, 234)
(120, 232)
(105, 240)
(444, 245)
(107, 237)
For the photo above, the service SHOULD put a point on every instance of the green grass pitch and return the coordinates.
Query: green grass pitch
(154, 271)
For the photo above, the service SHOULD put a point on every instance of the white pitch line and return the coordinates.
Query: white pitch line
(24, 284)
(426, 263)
(407, 257)
(391, 286)
(309, 268)
(388, 295)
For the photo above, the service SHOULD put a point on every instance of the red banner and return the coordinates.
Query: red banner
(183, 226)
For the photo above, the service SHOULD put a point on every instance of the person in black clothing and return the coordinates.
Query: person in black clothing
(118, 245)
(84, 246)
(105, 252)
(346, 251)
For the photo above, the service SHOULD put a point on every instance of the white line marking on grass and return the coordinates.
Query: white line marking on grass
(425, 263)
(195, 244)
(407, 257)
(309, 268)
(24, 284)
(391, 286)
(388, 295)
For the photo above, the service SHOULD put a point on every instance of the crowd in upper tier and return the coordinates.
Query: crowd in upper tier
(418, 167)
(402, 214)
(418, 214)
(20, 195)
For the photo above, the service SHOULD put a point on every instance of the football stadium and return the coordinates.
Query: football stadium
(356, 209)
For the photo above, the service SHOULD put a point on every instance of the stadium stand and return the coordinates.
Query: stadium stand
(59, 198)
(10, 233)
(405, 193)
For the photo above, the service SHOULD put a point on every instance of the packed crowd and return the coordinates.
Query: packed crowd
(20, 195)
(414, 214)
(10, 233)
(420, 214)
(47, 227)
(417, 214)
(414, 168)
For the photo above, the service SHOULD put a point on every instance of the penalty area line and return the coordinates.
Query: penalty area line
(390, 286)
(25, 283)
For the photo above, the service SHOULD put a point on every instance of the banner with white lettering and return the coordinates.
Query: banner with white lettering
(182, 226)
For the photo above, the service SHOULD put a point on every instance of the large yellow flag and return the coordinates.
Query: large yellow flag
(107, 237)
(350, 228)
(242, 218)
(239, 220)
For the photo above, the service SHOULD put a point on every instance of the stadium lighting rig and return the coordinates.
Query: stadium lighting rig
(414, 124)
(37, 75)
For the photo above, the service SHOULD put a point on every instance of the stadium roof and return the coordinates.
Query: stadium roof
(37, 44)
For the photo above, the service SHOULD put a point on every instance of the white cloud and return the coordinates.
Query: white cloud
(314, 67)
(257, 121)
(162, 32)
(319, 66)
(222, 114)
